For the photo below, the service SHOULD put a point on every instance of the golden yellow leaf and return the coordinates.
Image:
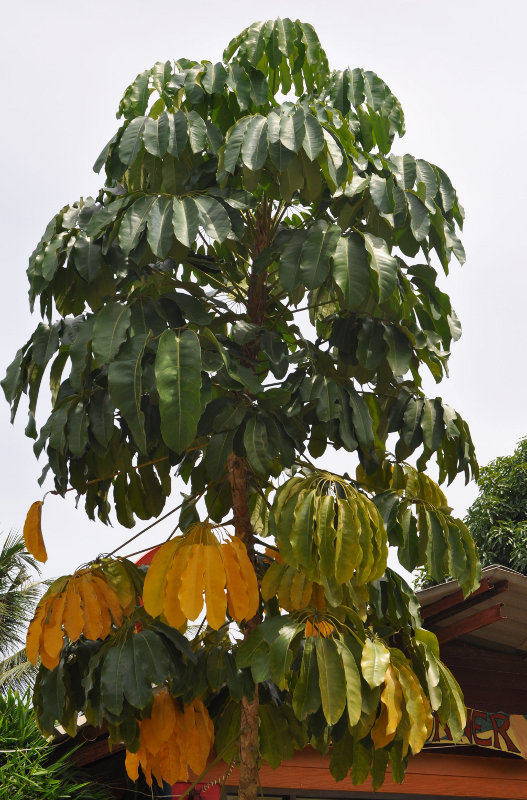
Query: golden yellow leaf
(106, 620)
(392, 697)
(205, 730)
(109, 596)
(171, 764)
(154, 585)
(237, 597)
(417, 708)
(321, 628)
(35, 630)
(163, 715)
(379, 733)
(131, 764)
(73, 618)
(249, 576)
(93, 623)
(192, 580)
(33, 533)
(215, 579)
(171, 607)
(52, 637)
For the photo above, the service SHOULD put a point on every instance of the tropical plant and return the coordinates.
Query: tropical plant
(497, 519)
(19, 593)
(253, 285)
(28, 765)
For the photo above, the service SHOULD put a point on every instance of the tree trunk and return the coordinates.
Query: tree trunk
(237, 471)
(249, 748)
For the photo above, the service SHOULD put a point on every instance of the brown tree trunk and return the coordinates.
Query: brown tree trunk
(237, 471)
(249, 748)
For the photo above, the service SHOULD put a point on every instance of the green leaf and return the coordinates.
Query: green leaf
(383, 265)
(125, 383)
(331, 680)
(233, 144)
(419, 217)
(177, 133)
(131, 141)
(185, 220)
(197, 132)
(290, 245)
(156, 135)
(254, 145)
(160, 231)
(109, 331)
(353, 683)
(178, 378)
(256, 445)
(399, 350)
(279, 655)
(350, 270)
(313, 138)
(213, 218)
(306, 694)
(214, 78)
(133, 223)
(87, 257)
(374, 662)
(319, 247)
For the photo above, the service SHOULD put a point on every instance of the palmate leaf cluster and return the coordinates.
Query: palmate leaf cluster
(239, 196)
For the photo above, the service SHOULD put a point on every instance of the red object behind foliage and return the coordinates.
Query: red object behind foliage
(145, 560)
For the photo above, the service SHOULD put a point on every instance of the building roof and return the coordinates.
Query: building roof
(494, 616)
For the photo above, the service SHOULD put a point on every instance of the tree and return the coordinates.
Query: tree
(19, 593)
(497, 519)
(171, 309)
(28, 765)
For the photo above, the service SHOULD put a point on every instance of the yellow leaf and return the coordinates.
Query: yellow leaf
(192, 580)
(154, 585)
(171, 764)
(214, 586)
(249, 576)
(106, 621)
(205, 729)
(35, 630)
(93, 624)
(417, 708)
(110, 598)
(392, 696)
(163, 715)
(172, 608)
(33, 533)
(379, 733)
(52, 637)
(131, 764)
(73, 617)
(237, 597)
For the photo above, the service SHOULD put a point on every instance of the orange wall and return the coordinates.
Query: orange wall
(429, 773)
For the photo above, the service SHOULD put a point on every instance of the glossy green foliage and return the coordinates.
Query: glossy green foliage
(239, 196)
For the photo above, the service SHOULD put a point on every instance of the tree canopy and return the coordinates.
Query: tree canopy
(253, 285)
(497, 519)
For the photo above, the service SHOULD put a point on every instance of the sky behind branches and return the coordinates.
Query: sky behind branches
(458, 69)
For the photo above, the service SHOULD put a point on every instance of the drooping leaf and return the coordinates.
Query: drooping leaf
(178, 377)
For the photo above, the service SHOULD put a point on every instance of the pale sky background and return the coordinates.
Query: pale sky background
(459, 70)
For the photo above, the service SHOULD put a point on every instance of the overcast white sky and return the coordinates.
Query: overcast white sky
(459, 70)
